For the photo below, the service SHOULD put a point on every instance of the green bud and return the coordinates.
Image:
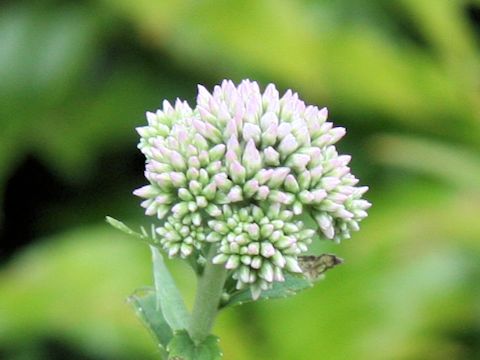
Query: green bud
(184, 194)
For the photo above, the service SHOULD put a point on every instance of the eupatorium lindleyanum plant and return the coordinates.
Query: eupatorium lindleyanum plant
(230, 183)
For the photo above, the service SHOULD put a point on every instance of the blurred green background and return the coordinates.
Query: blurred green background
(402, 76)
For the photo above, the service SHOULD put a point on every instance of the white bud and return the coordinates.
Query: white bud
(268, 119)
(266, 272)
(220, 259)
(251, 158)
(256, 262)
(291, 184)
(278, 176)
(288, 145)
(217, 152)
(251, 131)
(292, 265)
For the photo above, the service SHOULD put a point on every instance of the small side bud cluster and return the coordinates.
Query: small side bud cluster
(259, 246)
(182, 236)
(242, 152)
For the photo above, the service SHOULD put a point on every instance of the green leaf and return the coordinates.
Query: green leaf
(291, 286)
(117, 224)
(182, 347)
(145, 304)
(169, 299)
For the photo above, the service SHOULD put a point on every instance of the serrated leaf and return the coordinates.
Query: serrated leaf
(169, 299)
(144, 302)
(182, 347)
(291, 286)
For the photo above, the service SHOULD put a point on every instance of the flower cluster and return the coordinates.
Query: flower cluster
(259, 245)
(239, 153)
(182, 236)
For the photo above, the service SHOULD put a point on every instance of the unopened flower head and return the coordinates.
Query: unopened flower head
(240, 164)
(259, 245)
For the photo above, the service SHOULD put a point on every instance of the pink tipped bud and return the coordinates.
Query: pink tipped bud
(262, 192)
(271, 156)
(336, 134)
(237, 172)
(178, 179)
(253, 230)
(319, 195)
(253, 249)
(251, 187)
(270, 99)
(299, 161)
(267, 249)
(145, 192)
(251, 158)
(235, 194)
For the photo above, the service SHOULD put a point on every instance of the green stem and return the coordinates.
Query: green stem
(209, 291)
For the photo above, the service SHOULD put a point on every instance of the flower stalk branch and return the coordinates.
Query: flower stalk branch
(209, 291)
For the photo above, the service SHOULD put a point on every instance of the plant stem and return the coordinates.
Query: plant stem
(209, 290)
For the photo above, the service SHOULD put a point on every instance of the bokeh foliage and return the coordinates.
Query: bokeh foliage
(402, 76)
